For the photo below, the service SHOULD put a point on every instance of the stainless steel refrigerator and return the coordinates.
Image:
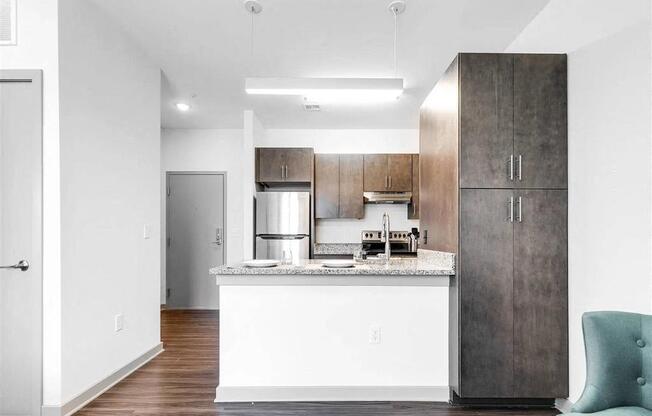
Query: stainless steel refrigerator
(282, 225)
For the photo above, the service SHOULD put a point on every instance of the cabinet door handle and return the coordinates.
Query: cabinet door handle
(390, 181)
(282, 172)
(286, 171)
(510, 167)
(520, 166)
(510, 209)
(386, 182)
(519, 215)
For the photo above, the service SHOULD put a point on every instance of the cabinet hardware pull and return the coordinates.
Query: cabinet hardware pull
(390, 181)
(282, 172)
(510, 209)
(520, 213)
(286, 171)
(520, 166)
(511, 167)
(386, 181)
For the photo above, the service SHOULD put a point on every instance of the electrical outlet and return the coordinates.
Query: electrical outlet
(147, 231)
(374, 334)
(119, 322)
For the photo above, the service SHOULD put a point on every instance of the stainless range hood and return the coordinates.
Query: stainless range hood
(387, 197)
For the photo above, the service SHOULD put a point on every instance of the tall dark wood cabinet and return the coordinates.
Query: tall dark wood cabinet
(493, 189)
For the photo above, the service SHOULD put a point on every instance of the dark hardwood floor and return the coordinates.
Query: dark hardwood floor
(182, 380)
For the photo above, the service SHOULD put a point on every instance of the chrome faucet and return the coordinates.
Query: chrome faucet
(385, 237)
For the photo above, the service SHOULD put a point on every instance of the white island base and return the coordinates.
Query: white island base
(333, 338)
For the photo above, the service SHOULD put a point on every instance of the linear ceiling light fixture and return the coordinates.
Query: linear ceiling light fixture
(328, 89)
(318, 90)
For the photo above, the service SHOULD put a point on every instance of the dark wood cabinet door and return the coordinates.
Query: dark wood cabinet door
(270, 164)
(327, 186)
(400, 172)
(541, 294)
(413, 207)
(376, 176)
(540, 121)
(351, 186)
(486, 121)
(299, 164)
(485, 282)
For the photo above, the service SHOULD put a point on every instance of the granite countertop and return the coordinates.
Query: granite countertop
(427, 263)
(336, 249)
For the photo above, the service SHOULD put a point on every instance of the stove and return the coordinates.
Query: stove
(399, 242)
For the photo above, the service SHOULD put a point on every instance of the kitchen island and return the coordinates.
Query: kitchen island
(309, 333)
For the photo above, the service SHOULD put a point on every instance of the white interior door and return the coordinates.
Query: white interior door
(196, 238)
(20, 240)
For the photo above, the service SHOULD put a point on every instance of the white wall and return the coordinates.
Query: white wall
(38, 48)
(351, 141)
(610, 161)
(207, 150)
(110, 173)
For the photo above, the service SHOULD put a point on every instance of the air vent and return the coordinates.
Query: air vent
(311, 107)
(7, 22)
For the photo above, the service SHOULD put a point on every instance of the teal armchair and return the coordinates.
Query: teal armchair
(619, 365)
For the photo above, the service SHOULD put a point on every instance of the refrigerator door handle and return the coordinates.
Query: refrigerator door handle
(281, 237)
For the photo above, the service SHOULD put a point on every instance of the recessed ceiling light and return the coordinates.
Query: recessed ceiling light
(182, 106)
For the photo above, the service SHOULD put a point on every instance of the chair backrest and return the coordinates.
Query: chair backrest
(618, 361)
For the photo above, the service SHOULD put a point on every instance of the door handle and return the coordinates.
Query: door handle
(390, 181)
(22, 265)
(510, 209)
(286, 171)
(282, 172)
(510, 167)
(218, 237)
(520, 166)
(519, 215)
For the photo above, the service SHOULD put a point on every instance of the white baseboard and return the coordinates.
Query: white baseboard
(93, 392)
(563, 405)
(228, 394)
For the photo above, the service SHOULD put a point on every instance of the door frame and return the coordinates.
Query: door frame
(169, 173)
(35, 76)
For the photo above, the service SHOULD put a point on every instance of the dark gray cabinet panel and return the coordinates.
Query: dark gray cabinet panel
(486, 309)
(375, 173)
(299, 165)
(541, 293)
(486, 120)
(270, 164)
(327, 185)
(351, 200)
(400, 172)
(540, 120)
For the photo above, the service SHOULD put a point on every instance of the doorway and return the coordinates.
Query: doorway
(21, 130)
(196, 238)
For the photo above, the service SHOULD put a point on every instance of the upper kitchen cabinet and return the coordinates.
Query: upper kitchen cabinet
(338, 186)
(540, 121)
(486, 128)
(512, 124)
(274, 165)
(388, 172)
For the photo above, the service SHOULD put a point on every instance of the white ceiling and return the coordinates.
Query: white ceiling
(203, 48)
